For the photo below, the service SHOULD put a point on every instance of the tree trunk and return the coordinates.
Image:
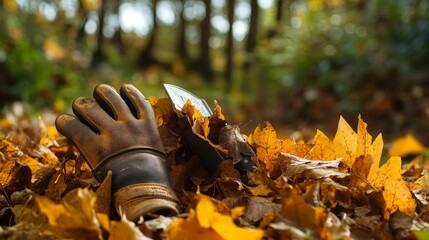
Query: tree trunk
(117, 37)
(204, 63)
(229, 45)
(82, 14)
(146, 57)
(253, 27)
(279, 14)
(98, 55)
(181, 43)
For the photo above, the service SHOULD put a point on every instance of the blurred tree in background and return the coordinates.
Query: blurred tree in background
(293, 62)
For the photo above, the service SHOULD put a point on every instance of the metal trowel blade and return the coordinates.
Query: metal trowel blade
(179, 96)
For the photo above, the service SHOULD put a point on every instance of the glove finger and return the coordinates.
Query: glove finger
(111, 102)
(137, 103)
(91, 114)
(76, 132)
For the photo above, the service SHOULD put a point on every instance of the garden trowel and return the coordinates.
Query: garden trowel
(209, 156)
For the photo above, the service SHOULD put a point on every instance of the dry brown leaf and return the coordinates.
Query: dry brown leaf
(311, 169)
(231, 139)
(258, 207)
(103, 195)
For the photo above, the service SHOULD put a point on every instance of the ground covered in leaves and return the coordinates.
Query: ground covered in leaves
(348, 186)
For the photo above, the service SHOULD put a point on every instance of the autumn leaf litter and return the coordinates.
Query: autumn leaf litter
(322, 188)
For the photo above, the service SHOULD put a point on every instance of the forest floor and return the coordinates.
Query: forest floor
(327, 186)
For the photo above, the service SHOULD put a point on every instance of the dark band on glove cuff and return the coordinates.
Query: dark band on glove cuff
(132, 167)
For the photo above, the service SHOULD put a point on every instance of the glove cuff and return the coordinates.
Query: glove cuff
(140, 184)
(140, 199)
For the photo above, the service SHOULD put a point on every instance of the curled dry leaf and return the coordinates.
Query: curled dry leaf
(311, 169)
(230, 138)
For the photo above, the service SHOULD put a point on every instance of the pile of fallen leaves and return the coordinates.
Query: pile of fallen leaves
(318, 188)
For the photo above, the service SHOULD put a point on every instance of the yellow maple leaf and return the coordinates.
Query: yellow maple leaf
(323, 148)
(346, 138)
(299, 149)
(364, 139)
(207, 223)
(396, 194)
(73, 218)
(406, 145)
(189, 229)
(264, 139)
(377, 150)
(350, 145)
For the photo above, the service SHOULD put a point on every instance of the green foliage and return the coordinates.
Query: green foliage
(422, 234)
(348, 48)
(27, 72)
(342, 48)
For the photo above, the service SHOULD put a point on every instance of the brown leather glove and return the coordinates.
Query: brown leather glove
(118, 133)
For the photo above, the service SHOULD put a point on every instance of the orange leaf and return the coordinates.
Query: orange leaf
(396, 194)
(314, 218)
(264, 139)
(360, 170)
(323, 148)
(298, 149)
(207, 223)
(163, 109)
(74, 218)
(364, 139)
(218, 111)
(347, 139)
(405, 146)
(377, 150)
(189, 229)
